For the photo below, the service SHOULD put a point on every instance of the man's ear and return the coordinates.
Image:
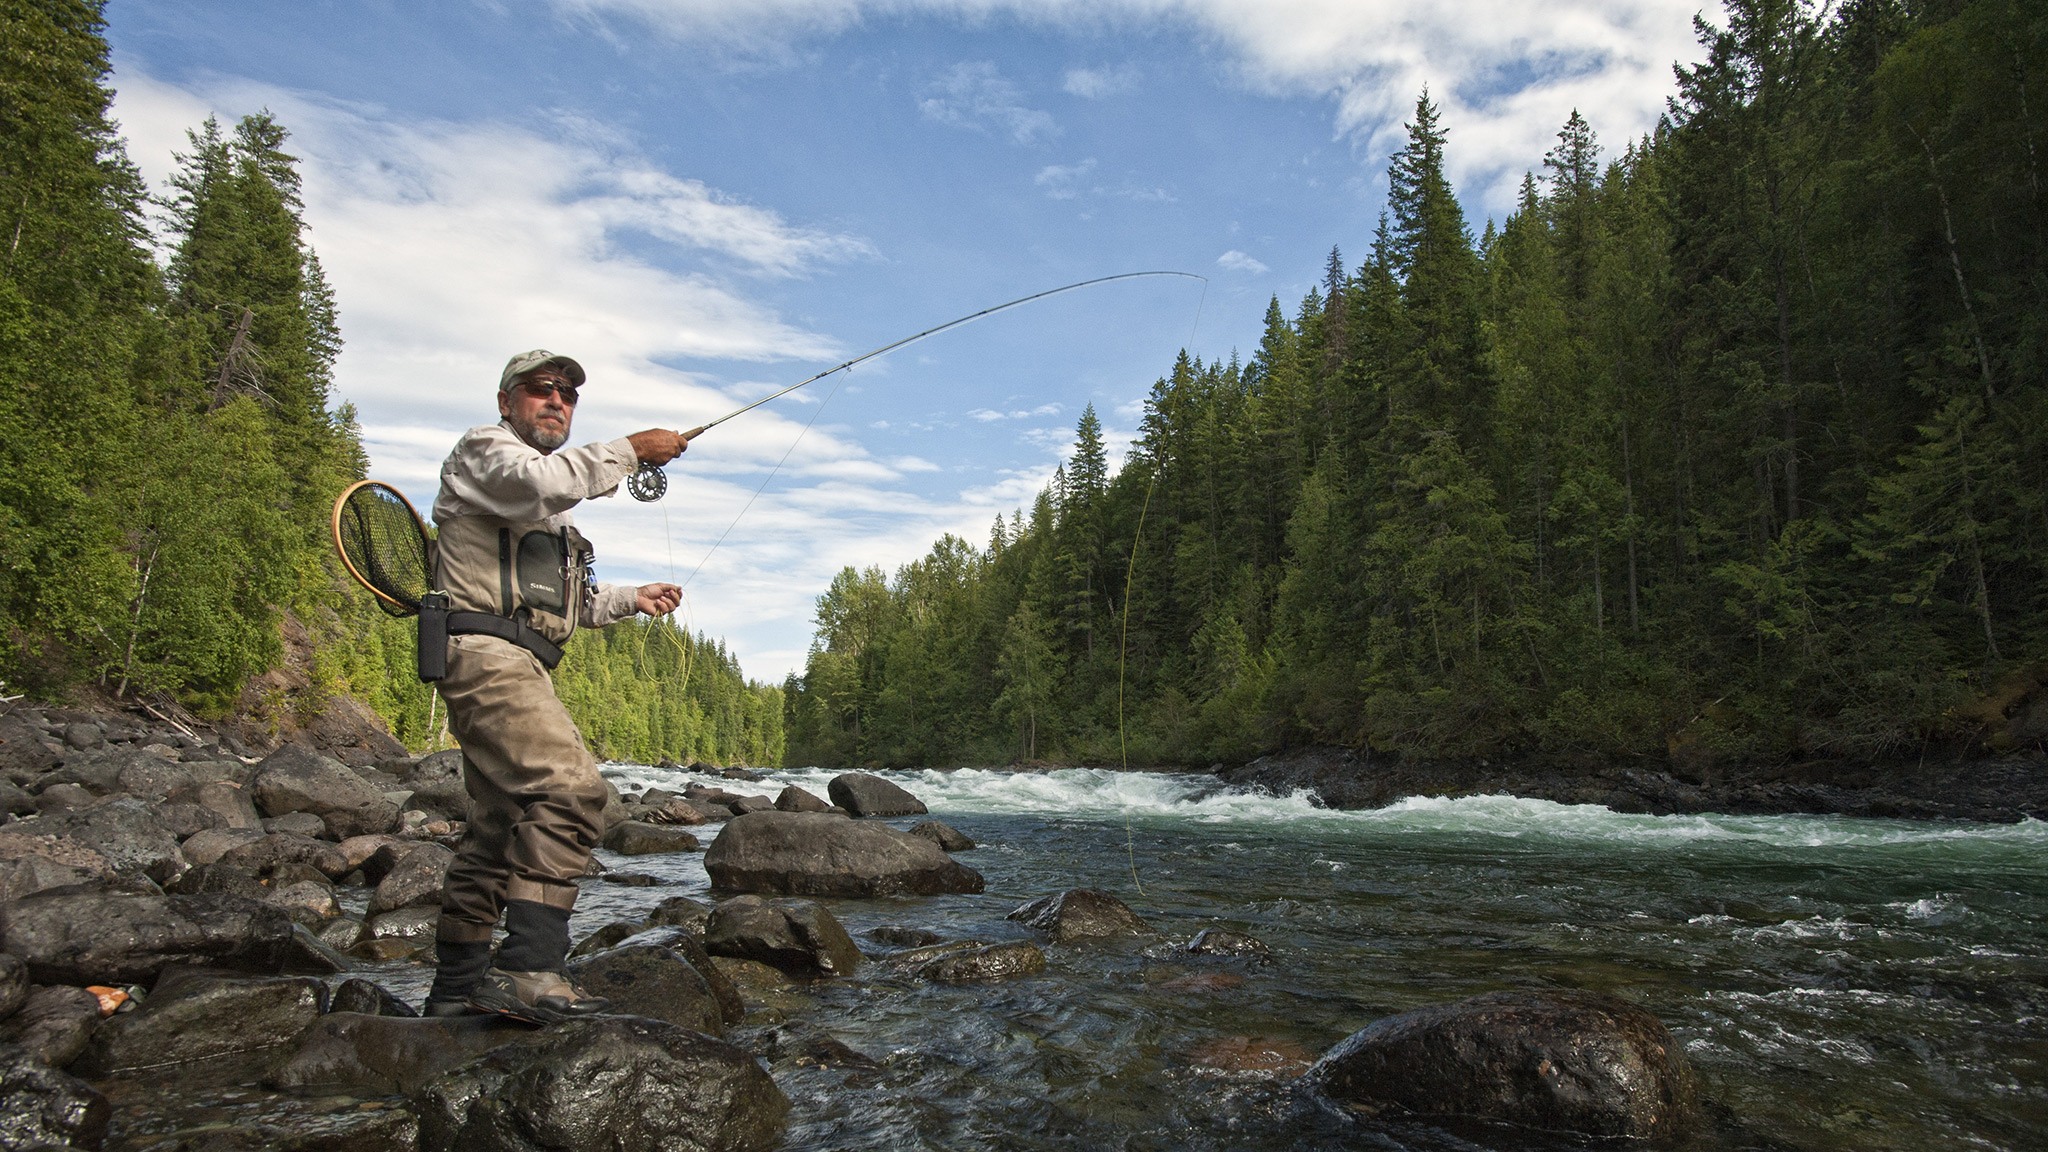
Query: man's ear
(505, 403)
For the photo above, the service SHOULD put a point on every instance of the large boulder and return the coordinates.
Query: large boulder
(866, 795)
(1081, 914)
(368, 998)
(153, 777)
(297, 779)
(41, 1107)
(1571, 1061)
(365, 1054)
(53, 1024)
(818, 854)
(652, 981)
(32, 863)
(209, 846)
(415, 880)
(633, 838)
(23, 755)
(83, 936)
(615, 1082)
(796, 936)
(194, 1015)
(795, 799)
(125, 830)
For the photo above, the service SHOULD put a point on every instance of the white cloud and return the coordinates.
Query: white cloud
(1506, 72)
(1061, 181)
(452, 245)
(1239, 262)
(974, 94)
(1099, 83)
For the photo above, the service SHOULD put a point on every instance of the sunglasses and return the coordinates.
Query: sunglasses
(539, 390)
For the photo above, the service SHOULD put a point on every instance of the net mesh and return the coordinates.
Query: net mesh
(384, 545)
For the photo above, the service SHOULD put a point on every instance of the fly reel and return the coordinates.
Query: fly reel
(648, 484)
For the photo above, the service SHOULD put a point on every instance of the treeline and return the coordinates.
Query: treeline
(170, 449)
(1731, 443)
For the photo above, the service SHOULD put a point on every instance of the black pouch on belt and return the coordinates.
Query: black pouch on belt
(433, 636)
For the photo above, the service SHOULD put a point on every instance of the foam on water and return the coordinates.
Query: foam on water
(1159, 801)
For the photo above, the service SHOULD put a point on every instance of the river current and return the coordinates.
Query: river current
(1838, 983)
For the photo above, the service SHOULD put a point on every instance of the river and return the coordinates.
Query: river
(1838, 983)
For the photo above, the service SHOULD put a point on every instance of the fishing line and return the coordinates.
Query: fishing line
(1123, 644)
(765, 482)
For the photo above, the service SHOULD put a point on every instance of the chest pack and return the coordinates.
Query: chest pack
(525, 583)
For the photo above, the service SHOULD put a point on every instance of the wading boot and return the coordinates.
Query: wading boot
(458, 969)
(527, 981)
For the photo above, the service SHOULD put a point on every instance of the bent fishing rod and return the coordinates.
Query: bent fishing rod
(651, 483)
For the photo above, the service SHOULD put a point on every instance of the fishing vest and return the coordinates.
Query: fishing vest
(522, 582)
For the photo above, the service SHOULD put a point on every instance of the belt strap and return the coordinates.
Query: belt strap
(505, 628)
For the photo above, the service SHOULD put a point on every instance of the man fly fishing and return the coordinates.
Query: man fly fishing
(518, 578)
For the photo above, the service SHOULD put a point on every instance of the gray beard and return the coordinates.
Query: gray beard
(545, 441)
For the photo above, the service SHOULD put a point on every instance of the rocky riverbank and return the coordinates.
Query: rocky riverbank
(182, 926)
(1995, 791)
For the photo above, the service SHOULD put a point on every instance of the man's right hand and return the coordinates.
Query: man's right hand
(658, 446)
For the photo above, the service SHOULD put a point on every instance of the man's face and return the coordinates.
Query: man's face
(538, 410)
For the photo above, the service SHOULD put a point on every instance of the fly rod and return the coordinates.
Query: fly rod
(651, 483)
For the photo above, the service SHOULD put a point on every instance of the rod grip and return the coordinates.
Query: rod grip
(693, 433)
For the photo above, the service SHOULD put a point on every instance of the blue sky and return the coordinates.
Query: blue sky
(704, 201)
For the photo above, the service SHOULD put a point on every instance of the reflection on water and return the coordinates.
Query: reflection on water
(1840, 984)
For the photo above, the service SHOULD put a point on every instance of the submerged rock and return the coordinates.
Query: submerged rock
(1570, 1061)
(614, 1082)
(986, 964)
(816, 854)
(866, 795)
(1081, 914)
(41, 1107)
(1223, 942)
(73, 936)
(382, 1055)
(795, 936)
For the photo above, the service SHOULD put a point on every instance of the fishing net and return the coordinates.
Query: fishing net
(383, 545)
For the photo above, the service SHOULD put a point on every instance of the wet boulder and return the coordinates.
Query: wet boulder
(866, 795)
(613, 1082)
(634, 838)
(681, 912)
(1570, 1061)
(365, 1054)
(195, 1015)
(368, 998)
(796, 936)
(944, 835)
(1081, 914)
(1223, 942)
(985, 965)
(53, 1023)
(608, 936)
(817, 854)
(652, 981)
(41, 1107)
(415, 880)
(80, 936)
(308, 902)
(297, 779)
(360, 853)
(127, 831)
(795, 799)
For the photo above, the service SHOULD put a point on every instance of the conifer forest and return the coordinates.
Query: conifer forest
(1728, 440)
(170, 446)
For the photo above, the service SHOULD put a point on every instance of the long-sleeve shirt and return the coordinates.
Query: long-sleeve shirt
(492, 472)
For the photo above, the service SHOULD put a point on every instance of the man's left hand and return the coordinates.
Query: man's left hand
(658, 599)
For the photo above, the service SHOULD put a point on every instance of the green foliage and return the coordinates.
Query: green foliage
(1738, 442)
(644, 690)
